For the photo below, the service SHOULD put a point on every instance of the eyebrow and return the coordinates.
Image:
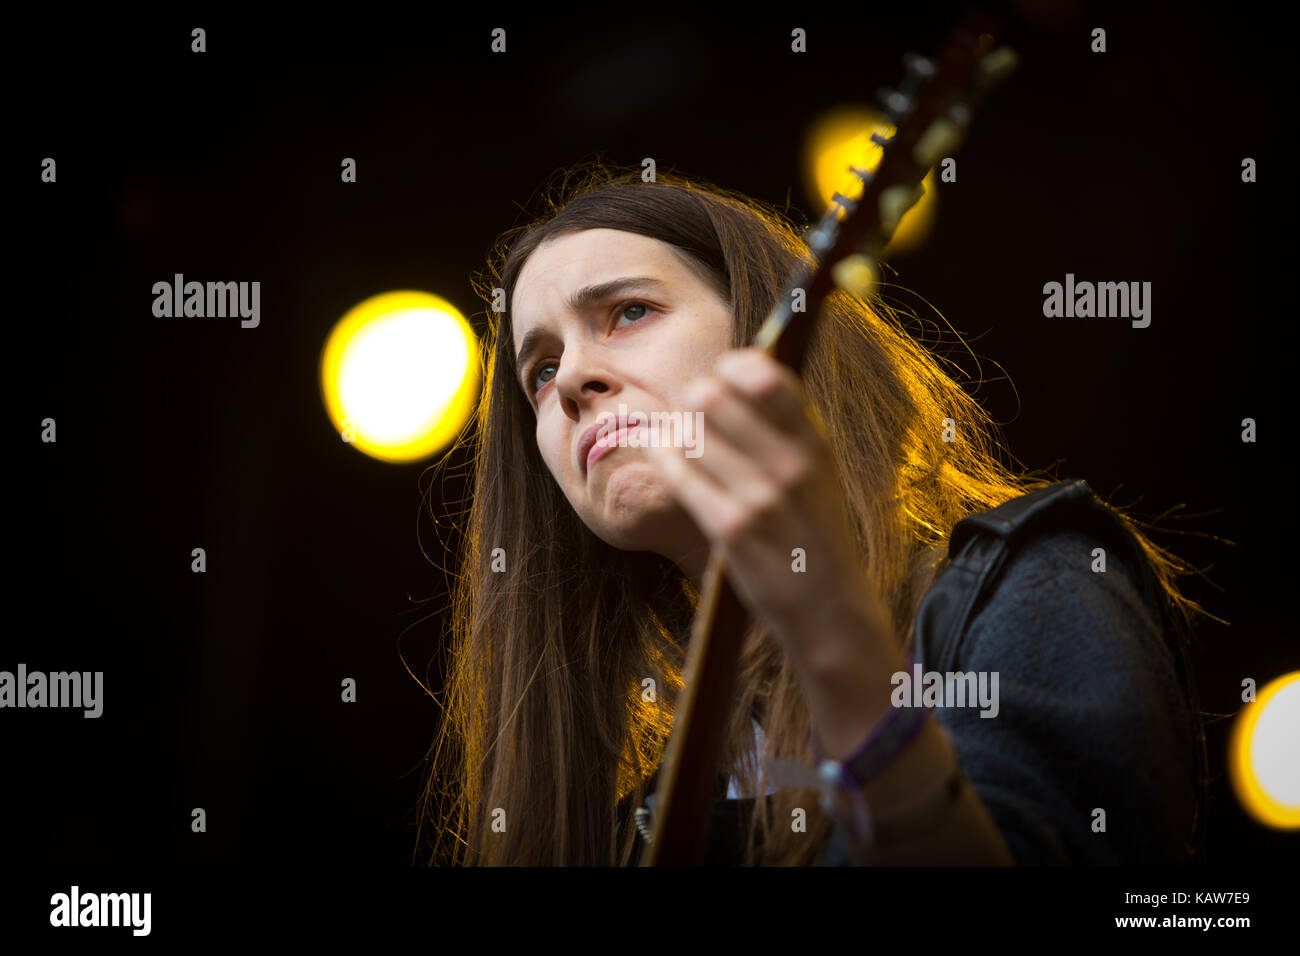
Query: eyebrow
(580, 301)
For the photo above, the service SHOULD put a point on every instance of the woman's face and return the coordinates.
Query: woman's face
(587, 353)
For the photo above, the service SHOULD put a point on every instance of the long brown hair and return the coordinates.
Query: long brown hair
(548, 735)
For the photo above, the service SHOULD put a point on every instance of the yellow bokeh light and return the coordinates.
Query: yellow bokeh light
(400, 375)
(1264, 754)
(842, 138)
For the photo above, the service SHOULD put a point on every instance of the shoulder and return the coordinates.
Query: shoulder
(1067, 569)
(1068, 601)
(1091, 714)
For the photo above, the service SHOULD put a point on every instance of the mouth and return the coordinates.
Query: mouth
(607, 444)
(601, 438)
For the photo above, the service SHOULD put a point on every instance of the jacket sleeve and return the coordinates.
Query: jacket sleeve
(1092, 726)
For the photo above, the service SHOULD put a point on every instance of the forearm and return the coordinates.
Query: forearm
(847, 686)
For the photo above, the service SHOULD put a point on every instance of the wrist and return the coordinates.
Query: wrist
(848, 688)
(840, 633)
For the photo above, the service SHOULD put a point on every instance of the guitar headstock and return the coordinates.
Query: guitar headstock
(931, 111)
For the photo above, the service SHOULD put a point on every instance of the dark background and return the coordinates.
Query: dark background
(222, 690)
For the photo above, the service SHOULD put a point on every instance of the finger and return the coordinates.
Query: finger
(740, 424)
(736, 468)
(770, 386)
(711, 506)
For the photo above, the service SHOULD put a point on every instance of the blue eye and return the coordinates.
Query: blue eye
(633, 304)
(537, 373)
(621, 310)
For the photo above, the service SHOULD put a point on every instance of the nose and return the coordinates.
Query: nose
(582, 377)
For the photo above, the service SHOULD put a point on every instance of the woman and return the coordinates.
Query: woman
(832, 499)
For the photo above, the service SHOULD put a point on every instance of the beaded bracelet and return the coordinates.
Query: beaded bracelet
(842, 784)
(889, 738)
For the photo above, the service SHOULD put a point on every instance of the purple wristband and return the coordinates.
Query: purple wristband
(887, 740)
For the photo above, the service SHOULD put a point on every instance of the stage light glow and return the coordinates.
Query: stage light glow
(842, 138)
(1264, 754)
(400, 374)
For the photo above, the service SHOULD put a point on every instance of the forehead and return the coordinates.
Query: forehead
(560, 266)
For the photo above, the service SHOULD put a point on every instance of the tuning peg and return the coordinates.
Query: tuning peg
(880, 140)
(862, 174)
(818, 238)
(895, 201)
(997, 66)
(918, 66)
(847, 204)
(856, 273)
(897, 105)
(940, 139)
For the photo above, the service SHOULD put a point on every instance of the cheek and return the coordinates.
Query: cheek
(553, 445)
(712, 338)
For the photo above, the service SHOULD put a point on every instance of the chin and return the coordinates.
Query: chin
(633, 510)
